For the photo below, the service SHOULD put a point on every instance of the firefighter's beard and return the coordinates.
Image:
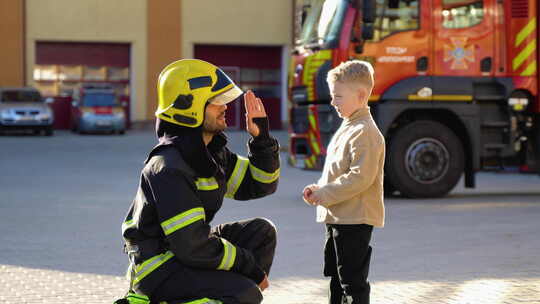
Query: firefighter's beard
(213, 125)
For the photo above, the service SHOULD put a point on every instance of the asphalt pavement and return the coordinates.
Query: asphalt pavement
(63, 199)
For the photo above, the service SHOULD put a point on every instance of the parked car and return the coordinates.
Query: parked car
(97, 109)
(25, 109)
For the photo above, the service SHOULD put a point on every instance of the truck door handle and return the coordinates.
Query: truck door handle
(485, 64)
(422, 64)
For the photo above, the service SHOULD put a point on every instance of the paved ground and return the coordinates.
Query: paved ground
(62, 200)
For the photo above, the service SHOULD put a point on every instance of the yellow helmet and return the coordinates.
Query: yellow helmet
(184, 88)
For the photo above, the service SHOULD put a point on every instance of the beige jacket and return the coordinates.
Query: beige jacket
(351, 185)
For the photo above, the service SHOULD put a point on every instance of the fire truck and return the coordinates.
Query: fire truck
(456, 86)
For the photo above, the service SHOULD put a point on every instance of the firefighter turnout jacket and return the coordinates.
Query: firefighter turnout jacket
(168, 223)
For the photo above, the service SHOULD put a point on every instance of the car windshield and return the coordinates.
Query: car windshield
(322, 22)
(99, 100)
(21, 96)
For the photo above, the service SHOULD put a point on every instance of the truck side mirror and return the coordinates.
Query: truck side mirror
(305, 10)
(368, 11)
(368, 31)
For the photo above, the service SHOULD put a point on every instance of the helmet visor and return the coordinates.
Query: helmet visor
(227, 96)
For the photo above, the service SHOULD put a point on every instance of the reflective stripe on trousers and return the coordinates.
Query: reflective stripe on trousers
(144, 269)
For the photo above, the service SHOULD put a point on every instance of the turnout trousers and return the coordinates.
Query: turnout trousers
(257, 235)
(347, 255)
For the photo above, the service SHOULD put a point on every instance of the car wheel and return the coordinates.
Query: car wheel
(48, 131)
(122, 132)
(424, 159)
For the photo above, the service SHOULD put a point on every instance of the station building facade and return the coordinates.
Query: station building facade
(58, 45)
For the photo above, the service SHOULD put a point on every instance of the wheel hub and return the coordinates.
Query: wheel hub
(427, 160)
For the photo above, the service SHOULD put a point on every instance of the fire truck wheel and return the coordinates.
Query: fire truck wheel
(537, 144)
(389, 189)
(424, 159)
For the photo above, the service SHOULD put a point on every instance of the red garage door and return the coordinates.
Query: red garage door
(256, 68)
(61, 68)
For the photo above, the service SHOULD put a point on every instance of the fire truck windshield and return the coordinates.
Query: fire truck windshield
(322, 20)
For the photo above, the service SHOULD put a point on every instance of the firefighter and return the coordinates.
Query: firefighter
(175, 253)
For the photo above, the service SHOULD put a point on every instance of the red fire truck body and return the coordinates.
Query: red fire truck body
(456, 86)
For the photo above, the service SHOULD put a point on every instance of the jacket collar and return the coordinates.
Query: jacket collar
(360, 114)
(218, 142)
(189, 143)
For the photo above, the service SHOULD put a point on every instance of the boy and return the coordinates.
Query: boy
(349, 194)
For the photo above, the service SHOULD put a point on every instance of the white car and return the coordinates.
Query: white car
(25, 109)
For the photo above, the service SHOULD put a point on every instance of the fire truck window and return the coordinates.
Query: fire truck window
(322, 21)
(401, 16)
(459, 14)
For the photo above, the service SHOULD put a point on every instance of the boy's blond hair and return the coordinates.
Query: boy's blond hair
(356, 72)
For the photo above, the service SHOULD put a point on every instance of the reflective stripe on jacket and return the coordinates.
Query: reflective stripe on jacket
(169, 219)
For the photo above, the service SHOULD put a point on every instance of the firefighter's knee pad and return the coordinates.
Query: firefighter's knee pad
(267, 226)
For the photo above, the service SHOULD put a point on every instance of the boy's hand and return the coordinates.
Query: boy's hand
(311, 196)
(307, 193)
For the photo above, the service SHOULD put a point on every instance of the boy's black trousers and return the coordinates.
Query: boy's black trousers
(257, 235)
(347, 255)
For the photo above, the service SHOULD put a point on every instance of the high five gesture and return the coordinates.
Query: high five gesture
(254, 109)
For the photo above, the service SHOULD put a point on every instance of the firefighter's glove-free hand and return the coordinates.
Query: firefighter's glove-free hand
(256, 119)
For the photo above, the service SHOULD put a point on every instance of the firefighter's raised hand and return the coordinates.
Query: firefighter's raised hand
(254, 109)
